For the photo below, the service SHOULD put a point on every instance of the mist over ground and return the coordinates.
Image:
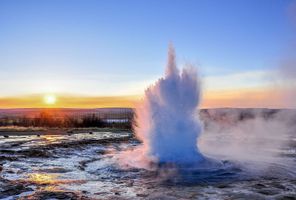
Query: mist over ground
(257, 137)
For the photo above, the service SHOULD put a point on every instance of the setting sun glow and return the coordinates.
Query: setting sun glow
(50, 99)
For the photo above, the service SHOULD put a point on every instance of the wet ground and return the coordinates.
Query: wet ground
(84, 166)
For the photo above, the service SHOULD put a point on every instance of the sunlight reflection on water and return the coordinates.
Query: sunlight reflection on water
(49, 179)
(43, 178)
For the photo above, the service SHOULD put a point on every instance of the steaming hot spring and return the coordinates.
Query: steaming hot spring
(175, 151)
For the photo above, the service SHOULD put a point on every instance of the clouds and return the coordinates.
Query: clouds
(247, 79)
(88, 84)
(247, 89)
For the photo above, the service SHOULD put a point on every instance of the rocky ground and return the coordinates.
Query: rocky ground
(83, 166)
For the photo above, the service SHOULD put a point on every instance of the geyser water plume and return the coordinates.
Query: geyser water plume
(166, 120)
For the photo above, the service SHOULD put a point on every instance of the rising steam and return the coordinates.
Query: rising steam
(167, 123)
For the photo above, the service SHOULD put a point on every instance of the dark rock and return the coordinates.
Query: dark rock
(286, 197)
(115, 191)
(10, 171)
(241, 196)
(35, 153)
(223, 186)
(101, 193)
(8, 158)
(9, 189)
(130, 183)
(259, 186)
(279, 186)
(47, 195)
(268, 191)
(54, 170)
(142, 195)
(83, 164)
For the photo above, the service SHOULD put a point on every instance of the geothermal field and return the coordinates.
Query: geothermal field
(247, 154)
(174, 151)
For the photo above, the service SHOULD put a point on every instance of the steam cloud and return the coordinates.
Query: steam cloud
(167, 123)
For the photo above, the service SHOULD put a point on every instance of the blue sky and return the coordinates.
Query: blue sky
(108, 47)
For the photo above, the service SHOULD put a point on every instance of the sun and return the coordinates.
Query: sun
(50, 99)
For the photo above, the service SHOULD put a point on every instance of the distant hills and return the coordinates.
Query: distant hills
(60, 112)
(31, 112)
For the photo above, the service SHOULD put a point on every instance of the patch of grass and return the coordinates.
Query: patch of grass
(95, 129)
(21, 129)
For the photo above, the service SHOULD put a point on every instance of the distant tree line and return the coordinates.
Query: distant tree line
(47, 120)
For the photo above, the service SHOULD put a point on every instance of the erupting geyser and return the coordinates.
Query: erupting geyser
(166, 120)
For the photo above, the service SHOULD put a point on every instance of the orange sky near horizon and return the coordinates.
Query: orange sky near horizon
(66, 101)
(240, 98)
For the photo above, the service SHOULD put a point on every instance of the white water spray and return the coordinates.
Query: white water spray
(166, 119)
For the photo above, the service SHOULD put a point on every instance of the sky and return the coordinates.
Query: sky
(104, 53)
